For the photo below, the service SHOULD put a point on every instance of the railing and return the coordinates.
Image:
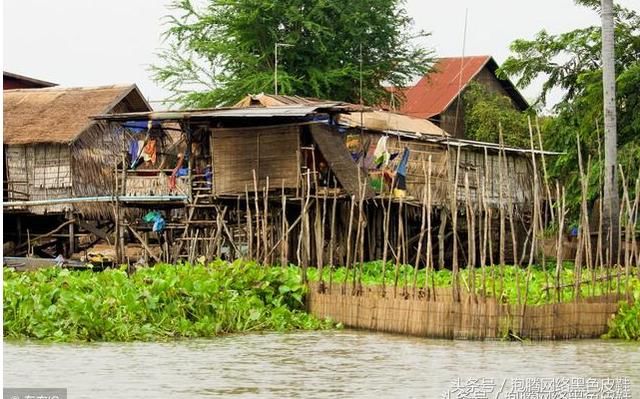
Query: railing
(10, 193)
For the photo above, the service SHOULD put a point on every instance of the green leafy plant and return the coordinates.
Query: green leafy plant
(161, 302)
(626, 323)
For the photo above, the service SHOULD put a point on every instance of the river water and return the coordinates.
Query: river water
(334, 364)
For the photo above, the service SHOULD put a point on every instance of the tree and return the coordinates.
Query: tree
(224, 50)
(572, 61)
(485, 112)
(611, 200)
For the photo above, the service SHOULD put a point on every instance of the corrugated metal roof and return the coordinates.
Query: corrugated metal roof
(436, 91)
(454, 142)
(249, 112)
(270, 100)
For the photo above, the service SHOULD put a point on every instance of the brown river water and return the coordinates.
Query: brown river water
(333, 364)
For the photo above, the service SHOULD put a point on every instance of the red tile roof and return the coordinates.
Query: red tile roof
(435, 92)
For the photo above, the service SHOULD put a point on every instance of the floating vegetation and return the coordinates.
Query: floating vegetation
(511, 284)
(626, 323)
(162, 302)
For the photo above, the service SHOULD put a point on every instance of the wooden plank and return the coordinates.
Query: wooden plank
(144, 245)
(340, 161)
(95, 230)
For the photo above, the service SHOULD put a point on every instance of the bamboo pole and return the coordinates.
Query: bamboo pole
(454, 223)
(362, 225)
(544, 170)
(332, 238)
(421, 237)
(385, 232)
(321, 286)
(284, 241)
(502, 223)
(560, 194)
(470, 215)
(628, 230)
(358, 234)
(348, 243)
(398, 248)
(249, 224)
(514, 242)
(265, 224)
(429, 259)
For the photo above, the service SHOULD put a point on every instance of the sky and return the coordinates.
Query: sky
(101, 42)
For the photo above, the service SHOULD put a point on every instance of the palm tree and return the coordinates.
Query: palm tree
(611, 199)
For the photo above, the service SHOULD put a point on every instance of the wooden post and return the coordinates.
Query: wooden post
(421, 236)
(284, 261)
(145, 238)
(72, 238)
(249, 224)
(441, 232)
(332, 237)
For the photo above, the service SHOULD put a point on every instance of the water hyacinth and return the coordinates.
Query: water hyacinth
(162, 302)
(508, 283)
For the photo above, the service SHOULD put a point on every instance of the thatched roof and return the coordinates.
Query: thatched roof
(61, 115)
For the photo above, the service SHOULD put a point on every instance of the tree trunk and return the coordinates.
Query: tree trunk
(611, 199)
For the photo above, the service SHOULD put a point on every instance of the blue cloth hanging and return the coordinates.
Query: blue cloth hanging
(402, 166)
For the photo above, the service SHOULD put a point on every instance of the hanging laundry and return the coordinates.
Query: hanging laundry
(175, 172)
(158, 221)
(133, 150)
(402, 166)
(401, 175)
(208, 175)
(159, 225)
(381, 154)
(151, 216)
(149, 151)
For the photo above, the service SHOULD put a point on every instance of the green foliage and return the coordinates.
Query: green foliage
(486, 111)
(564, 58)
(163, 302)
(224, 50)
(571, 62)
(507, 283)
(626, 323)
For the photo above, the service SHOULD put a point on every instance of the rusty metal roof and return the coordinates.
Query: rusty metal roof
(436, 91)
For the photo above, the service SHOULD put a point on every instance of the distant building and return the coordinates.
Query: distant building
(12, 81)
(435, 96)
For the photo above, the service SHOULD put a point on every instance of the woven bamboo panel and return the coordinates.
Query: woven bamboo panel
(418, 165)
(470, 318)
(154, 185)
(271, 152)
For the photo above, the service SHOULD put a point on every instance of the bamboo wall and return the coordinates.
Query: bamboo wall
(40, 172)
(271, 152)
(470, 318)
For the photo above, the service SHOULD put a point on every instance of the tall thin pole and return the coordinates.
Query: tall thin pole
(275, 71)
(611, 199)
